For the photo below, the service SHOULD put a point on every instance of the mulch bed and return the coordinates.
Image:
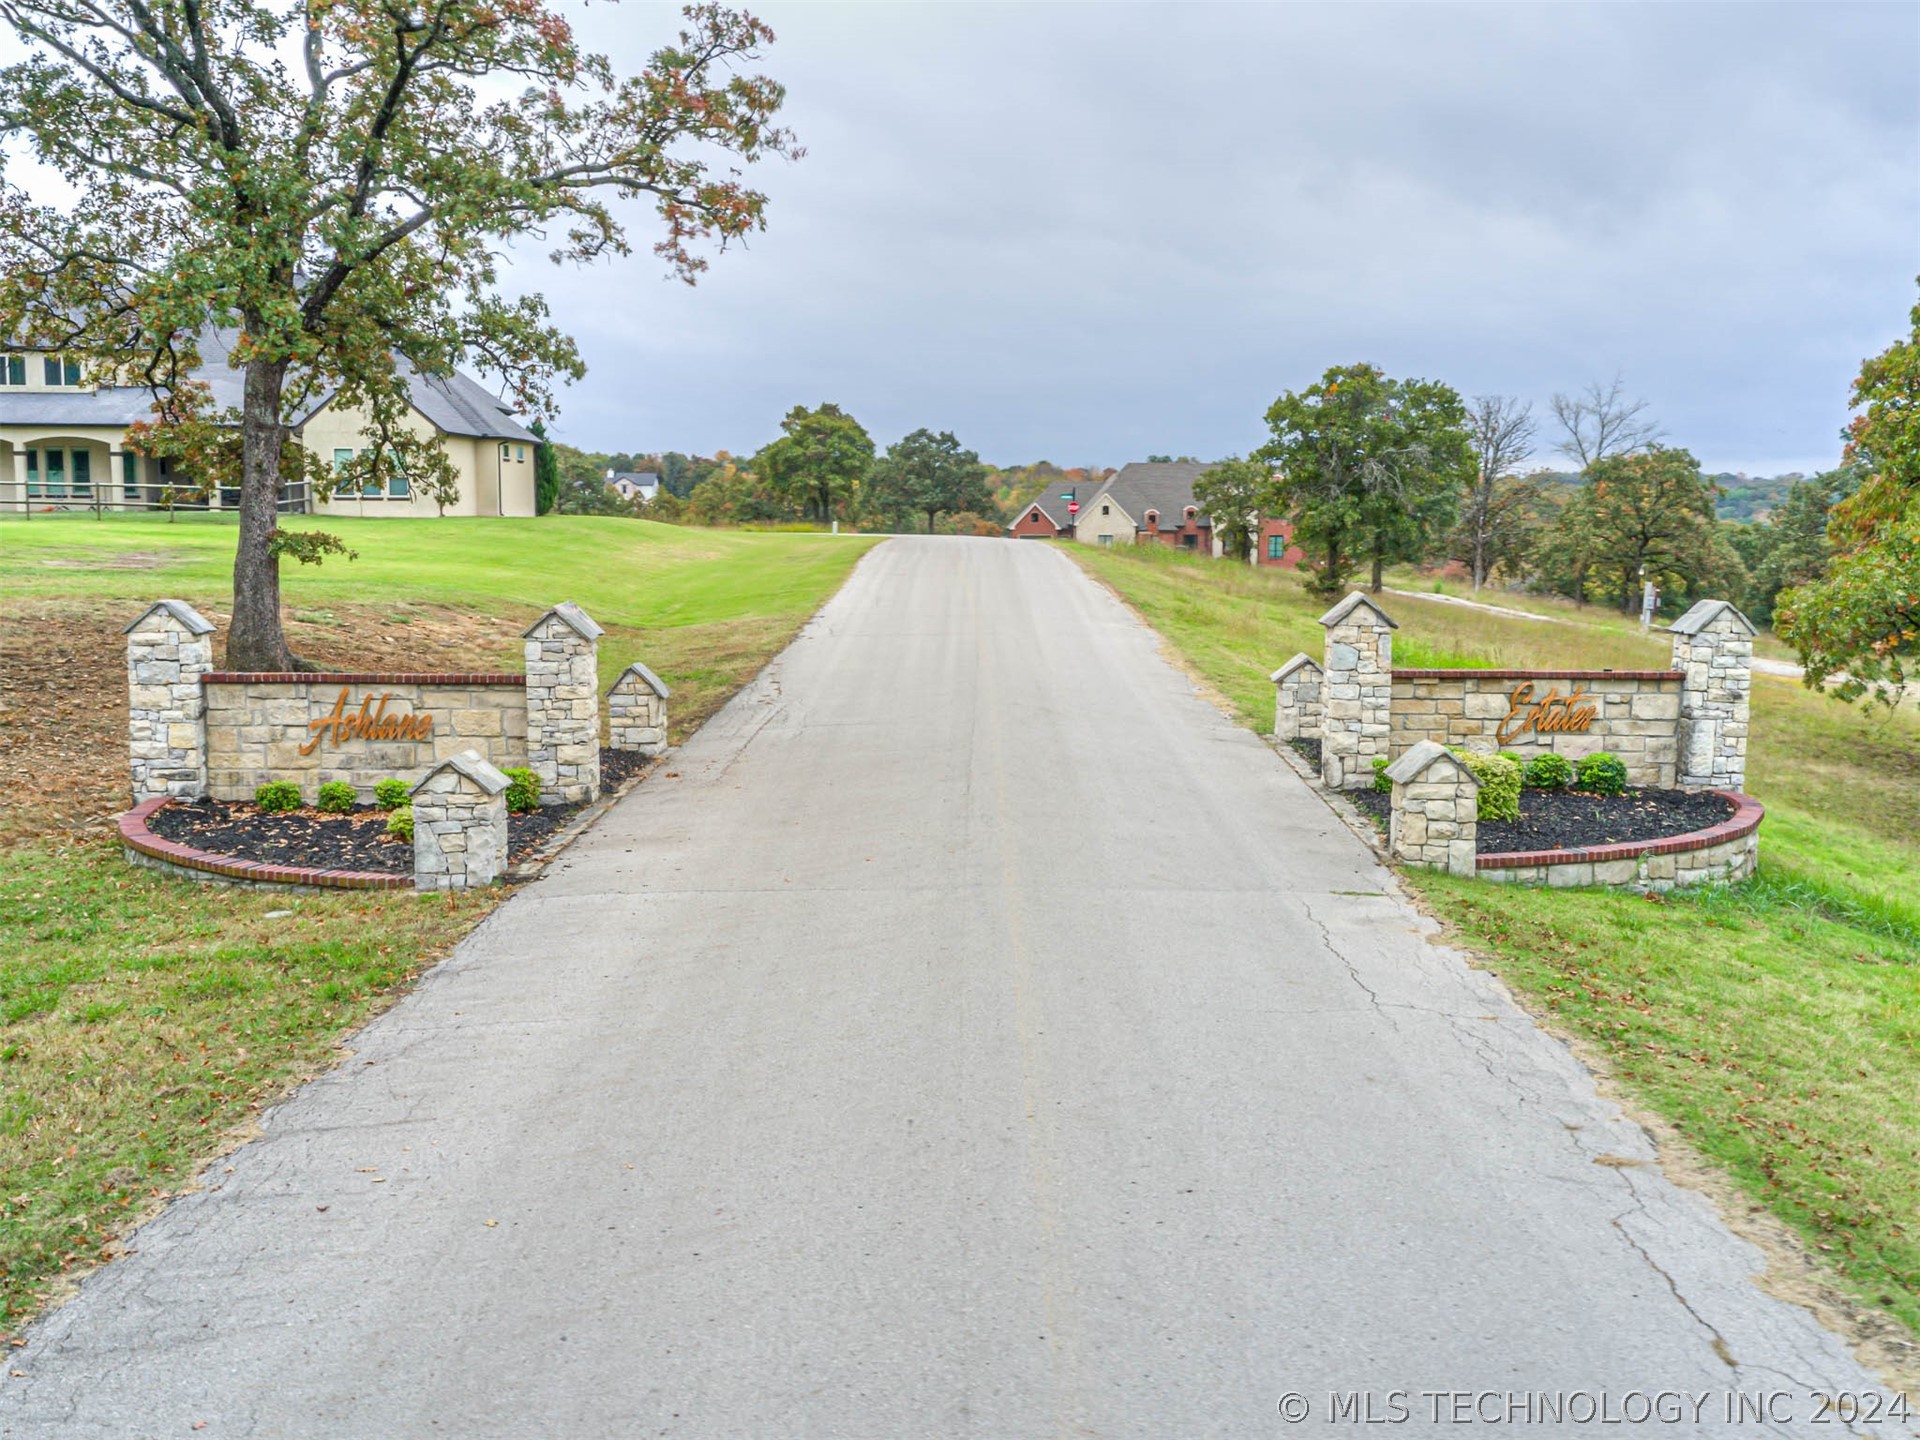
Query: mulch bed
(357, 840)
(1308, 749)
(1568, 819)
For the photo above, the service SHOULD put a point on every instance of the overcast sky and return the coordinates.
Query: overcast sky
(1088, 232)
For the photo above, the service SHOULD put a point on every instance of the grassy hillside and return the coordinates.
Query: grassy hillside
(143, 1020)
(1777, 1023)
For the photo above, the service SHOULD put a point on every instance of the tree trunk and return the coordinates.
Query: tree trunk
(930, 515)
(255, 640)
(1379, 572)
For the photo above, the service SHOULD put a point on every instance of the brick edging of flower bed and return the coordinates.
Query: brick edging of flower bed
(135, 835)
(1540, 675)
(1746, 817)
(361, 677)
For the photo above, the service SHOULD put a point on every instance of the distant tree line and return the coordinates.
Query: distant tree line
(823, 468)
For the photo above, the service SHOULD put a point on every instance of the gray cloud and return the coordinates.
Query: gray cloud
(1087, 232)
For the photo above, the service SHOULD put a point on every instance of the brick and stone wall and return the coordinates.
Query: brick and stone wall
(637, 711)
(1634, 714)
(358, 727)
(1721, 854)
(169, 650)
(1358, 692)
(1435, 817)
(460, 824)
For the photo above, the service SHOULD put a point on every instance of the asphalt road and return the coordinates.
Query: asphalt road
(977, 1035)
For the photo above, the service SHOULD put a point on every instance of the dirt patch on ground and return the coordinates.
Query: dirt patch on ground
(63, 691)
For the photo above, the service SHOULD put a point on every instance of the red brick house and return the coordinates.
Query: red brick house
(1274, 545)
(1037, 523)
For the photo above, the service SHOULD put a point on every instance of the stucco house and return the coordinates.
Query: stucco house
(63, 443)
(641, 485)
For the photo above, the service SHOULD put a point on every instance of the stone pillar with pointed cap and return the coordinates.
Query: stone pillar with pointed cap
(637, 711)
(169, 649)
(1297, 699)
(1713, 648)
(563, 704)
(460, 824)
(1435, 819)
(1358, 690)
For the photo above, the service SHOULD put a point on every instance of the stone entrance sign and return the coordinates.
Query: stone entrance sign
(1634, 714)
(358, 727)
(1683, 728)
(194, 731)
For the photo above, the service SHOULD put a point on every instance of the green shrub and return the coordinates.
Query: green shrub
(276, 796)
(400, 822)
(336, 797)
(1380, 781)
(524, 793)
(1499, 781)
(392, 794)
(1548, 772)
(1603, 774)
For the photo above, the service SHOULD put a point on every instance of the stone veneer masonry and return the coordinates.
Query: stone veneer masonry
(1713, 646)
(637, 711)
(258, 725)
(563, 704)
(1297, 707)
(1635, 714)
(169, 649)
(460, 824)
(1358, 692)
(1435, 817)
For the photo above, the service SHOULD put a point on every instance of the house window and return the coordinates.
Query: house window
(520, 453)
(341, 459)
(1192, 542)
(33, 473)
(82, 473)
(1276, 547)
(54, 475)
(130, 474)
(13, 369)
(397, 486)
(506, 451)
(1106, 509)
(61, 370)
(1105, 540)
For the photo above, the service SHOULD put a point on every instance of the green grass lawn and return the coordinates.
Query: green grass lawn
(1776, 1023)
(143, 1019)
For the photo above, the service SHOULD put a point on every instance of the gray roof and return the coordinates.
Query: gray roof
(1704, 613)
(180, 610)
(475, 766)
(457, 404)
(571, 615)
(637, 477)
(1165, 487)
(646, 677)
(1354, 601)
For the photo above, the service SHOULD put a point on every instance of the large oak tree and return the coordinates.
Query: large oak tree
(1370, 469)
(336, 183)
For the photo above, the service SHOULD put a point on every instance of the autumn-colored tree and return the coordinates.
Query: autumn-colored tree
(928, 474)
(1647, 516)
(1370, 468)
(336, 185)
(1861, 623)
(819, 463)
